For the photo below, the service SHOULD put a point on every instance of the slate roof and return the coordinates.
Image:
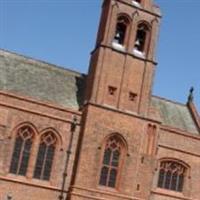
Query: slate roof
(49, 83)
(175, 115)
(40, 80)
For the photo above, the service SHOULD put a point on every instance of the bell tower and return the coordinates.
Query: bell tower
(122, 64)
(113, 159)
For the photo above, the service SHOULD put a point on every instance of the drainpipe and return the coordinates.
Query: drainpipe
(72, 130)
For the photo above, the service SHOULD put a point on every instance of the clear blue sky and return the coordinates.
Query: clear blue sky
(63, 32)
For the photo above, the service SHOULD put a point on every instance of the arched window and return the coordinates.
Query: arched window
(21, 152)
(45, 156)
(142, 38)
(120, 31)
(171, 176)
(111, 161)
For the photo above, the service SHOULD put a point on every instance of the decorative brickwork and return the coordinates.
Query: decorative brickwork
(101, 136)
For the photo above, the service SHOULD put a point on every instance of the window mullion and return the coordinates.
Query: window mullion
(173, 177)
(114, 145)
(177, 182)
(108, 176)
(170, 182)
(44, 162)
(21, 155)
(111, 158)
(164, 179)
(109, 168)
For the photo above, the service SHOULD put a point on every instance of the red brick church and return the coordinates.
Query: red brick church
(101, 136)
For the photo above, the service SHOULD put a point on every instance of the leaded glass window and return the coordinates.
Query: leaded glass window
(45, 156)
(111, 161)
(22, 150)
(171, 176)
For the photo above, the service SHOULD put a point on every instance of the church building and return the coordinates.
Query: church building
(102, 135)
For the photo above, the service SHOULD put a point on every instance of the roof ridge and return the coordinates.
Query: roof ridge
(169, 100)
(38, 61)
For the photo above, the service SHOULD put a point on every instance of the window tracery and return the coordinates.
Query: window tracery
(171, 176)
(45, 156)
(21, 152)
(111, 161)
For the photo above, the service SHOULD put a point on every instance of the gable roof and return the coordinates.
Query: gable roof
(52, 84)
(41, 81)
(175, 115)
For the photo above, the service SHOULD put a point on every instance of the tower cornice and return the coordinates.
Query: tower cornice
(123, 52)
(156, 13)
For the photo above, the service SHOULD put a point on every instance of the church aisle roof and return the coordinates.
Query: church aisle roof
(40, 80)
(174, 114)
(63, 87)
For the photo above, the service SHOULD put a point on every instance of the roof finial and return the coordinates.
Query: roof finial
(191, 96)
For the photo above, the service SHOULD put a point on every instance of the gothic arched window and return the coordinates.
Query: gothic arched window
(171, 175)
(21, 152)
(142, 38)
(111, 161)
(45, 156)
(121, 30)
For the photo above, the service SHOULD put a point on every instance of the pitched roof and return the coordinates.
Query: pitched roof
(49, 83)
(40, 80)
(175, 115)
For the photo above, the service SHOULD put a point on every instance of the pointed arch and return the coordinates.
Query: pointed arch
(151, 139)
(145, 24)
(125, 17)
(143, 35)
(57, 134)
(122, 29)
(24, 136)
(120, 137)
(172, 173)
(23, 124)
(48, 143)
(113, 153)
(186, 165)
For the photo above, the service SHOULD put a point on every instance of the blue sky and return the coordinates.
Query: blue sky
(63, 32)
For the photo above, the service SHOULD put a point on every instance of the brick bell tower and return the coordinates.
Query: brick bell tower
(123, 64)
(112, 160)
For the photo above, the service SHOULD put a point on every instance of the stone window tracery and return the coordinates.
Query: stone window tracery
(45, 156)
(21, 152)
(111, 162)
(171, 176)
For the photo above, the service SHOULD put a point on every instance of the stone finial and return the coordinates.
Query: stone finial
(191, 96)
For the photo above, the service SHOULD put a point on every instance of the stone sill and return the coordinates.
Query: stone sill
(169, 193)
